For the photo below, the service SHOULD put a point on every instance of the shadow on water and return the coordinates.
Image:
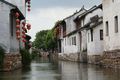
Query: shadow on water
(47, 69)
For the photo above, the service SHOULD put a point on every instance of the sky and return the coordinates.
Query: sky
(44, 13)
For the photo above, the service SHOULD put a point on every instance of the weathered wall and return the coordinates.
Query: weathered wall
(8, 42)
(12, 62)
(4, 26)
(67, 44)
(84, 40)
(69, 57)
(70, 24)
(98, 12)
(19, 3)
(95, 47)
(110, 10)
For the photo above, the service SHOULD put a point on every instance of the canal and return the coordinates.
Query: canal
(46, 69)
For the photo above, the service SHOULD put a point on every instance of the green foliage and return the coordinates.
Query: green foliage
(45, 40)
(26, 57)
(34, 54)
(40, 39)
(50, 40)
(2, 52)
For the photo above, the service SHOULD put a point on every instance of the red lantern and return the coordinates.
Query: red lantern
(18, 32)
(24, 36)
(28, 2)
(28, 26)
(17, 21)
(23, 32)
(24, 28)
(23, 23)
(18, 26)
(28, 9)
(18, 37)
(17, 14)
(24, 40)
(29, 6)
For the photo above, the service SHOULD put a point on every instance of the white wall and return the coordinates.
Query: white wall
(95, 12)
(67, 46)
(84, 40)
(110, 10)
(19, 3)
(5, 40)
(70, 24)
(95, 47)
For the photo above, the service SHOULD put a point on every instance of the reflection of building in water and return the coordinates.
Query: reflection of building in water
(73, 71)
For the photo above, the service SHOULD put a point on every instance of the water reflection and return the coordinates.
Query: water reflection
(46, 69)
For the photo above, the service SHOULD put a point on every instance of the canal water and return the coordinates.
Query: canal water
(46, 69)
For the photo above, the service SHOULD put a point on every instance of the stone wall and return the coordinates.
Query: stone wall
(83, 57)
(111, 59)
(12, 62)
(94, 59)
(69, 57)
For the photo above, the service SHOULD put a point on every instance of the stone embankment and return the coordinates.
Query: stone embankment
(69, 57)
(111, 59)
(12, 62)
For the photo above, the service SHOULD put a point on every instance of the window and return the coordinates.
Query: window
(91, 34)
(11, 24)
(101, 34)
(73, 40)
(116, 24)
(107, 28)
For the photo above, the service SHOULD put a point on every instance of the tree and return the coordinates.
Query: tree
(50, 41)
(40, 40)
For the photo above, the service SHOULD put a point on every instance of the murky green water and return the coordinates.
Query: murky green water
(45, 69)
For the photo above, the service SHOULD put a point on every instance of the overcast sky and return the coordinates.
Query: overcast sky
(44, 13)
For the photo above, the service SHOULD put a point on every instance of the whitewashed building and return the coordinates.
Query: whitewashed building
(8, 38)
(70, 41)
(91, 34)
(95, 38)
(8, 8)
(111, 13)
(111, 27)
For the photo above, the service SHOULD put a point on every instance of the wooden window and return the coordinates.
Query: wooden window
(11, 24)
(101, 34)
(107, 28)
(91, 34)
(73, 40)
(116, 24)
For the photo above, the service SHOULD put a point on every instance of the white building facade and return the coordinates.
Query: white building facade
(94, 34)
(8, 24)
(12, 13)
(111, 13)
(91, 34)
(70, 43)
